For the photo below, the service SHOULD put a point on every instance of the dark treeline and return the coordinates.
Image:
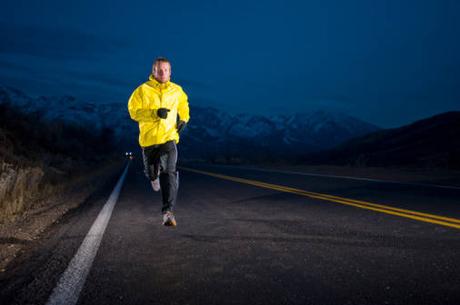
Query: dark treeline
(28, 137)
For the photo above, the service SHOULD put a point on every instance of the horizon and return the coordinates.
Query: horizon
(233, 113)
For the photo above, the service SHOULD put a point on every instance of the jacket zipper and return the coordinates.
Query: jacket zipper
(161, 105)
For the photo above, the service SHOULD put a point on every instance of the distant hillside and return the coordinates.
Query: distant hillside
(431, 142)
(212, 135)
(75, 112)
(28, 138)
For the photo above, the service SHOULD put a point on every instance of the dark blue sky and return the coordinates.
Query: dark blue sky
(386, 62)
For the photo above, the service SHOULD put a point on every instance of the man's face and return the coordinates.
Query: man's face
(162, 71)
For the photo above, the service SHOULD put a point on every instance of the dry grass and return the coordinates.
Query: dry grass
(23, 189)
(18, 188)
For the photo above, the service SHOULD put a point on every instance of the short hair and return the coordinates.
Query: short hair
(160, 59)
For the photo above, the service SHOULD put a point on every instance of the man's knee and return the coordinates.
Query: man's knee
(168, 172)
(167, 165)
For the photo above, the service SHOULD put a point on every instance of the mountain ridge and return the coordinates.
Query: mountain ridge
(430, 142)
(212, 134)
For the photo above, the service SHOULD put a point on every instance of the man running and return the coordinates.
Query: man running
(161, 109)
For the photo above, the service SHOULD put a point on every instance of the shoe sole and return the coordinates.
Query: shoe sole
(170, 223)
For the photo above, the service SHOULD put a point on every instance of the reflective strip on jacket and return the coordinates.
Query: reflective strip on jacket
(144, 103)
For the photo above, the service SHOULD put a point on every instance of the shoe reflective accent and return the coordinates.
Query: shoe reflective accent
(156, 184)
(169, 219)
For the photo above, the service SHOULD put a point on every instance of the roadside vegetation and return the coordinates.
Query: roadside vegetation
(39, 158)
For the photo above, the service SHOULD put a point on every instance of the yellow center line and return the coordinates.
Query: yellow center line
(424, 217)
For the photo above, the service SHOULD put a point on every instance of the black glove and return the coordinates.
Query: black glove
(162, 113)
(180, 126)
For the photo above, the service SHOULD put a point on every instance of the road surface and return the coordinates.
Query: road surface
(253, 237)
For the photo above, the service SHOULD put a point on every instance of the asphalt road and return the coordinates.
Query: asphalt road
(243, 243)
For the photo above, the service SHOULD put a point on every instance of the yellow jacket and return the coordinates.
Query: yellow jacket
(144, 103)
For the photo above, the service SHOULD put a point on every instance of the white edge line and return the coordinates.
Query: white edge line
(343, 177)
(68, 289)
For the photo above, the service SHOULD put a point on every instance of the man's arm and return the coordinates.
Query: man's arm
(136, 111)
(183, 112)
(182, 108)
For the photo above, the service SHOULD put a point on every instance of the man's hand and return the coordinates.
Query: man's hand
(180, 126)
(163, 113)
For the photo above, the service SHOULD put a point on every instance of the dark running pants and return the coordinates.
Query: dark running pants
(160, 160)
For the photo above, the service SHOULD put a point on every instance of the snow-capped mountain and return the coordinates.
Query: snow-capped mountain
(215, 133)
(70, 109)
(211, 134)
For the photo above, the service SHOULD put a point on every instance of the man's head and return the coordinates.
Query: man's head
(161, 70)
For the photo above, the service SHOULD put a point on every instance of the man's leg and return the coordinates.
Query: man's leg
(150, 157)
(168, 176)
